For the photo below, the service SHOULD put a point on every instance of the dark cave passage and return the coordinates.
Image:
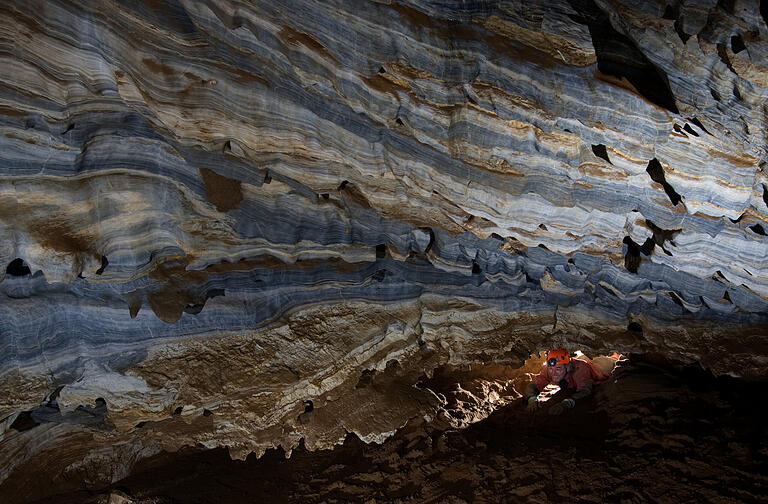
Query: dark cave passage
(655, 432)
(17, 267)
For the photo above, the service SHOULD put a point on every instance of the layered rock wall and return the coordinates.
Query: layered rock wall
(276, 217)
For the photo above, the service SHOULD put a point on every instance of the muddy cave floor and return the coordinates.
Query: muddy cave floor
(655, 432)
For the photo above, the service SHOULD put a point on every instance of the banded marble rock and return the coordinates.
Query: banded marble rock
(246, 223)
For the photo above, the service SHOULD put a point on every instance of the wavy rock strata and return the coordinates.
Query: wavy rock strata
(273, 218)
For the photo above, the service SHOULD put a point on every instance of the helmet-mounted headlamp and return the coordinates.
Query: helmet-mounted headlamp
(557, 357)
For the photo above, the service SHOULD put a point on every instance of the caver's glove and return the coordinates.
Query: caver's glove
(561, 407)
(533, 403)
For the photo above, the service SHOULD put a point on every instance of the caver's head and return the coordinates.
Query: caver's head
(557, 364)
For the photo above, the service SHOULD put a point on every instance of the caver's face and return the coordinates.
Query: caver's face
(557, 373)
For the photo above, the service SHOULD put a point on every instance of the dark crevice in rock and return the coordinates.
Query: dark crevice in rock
(690, 130)
(737, 44)
(399, 121)
(353, 194)
(715, 95)
(432, 238)
(267, 177)
(617, 55)
(104, 264)
(765, 195)
(600, 151)
(657, 175)
(24, 422)
(381, 70)
(49, 412)
(635, 327)
(672, 12)
(194, 309)
(134, 305)
(381, 251)
(476, 268)
(647, 247)
(660, 236)
(723, 53)
(764, 11)
(737, 93)
(698, 124)
(677, 299)
(757, 228)
(632, 256)
(680, 33)
(212, 293)
(308, 405)
(17, 267)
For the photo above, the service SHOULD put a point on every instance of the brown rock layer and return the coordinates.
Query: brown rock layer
(653, 433)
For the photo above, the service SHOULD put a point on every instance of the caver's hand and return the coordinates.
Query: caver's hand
(562, 407)
(533, 403)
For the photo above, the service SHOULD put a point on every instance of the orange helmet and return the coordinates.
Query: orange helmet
(556, 357)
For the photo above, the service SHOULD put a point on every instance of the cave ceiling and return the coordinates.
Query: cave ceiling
(270, 219)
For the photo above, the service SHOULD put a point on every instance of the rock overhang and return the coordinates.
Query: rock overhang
(212, 189)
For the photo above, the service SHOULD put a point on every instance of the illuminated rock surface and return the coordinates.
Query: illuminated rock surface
(250, 224)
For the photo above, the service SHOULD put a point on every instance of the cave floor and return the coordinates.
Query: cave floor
(650, 434)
